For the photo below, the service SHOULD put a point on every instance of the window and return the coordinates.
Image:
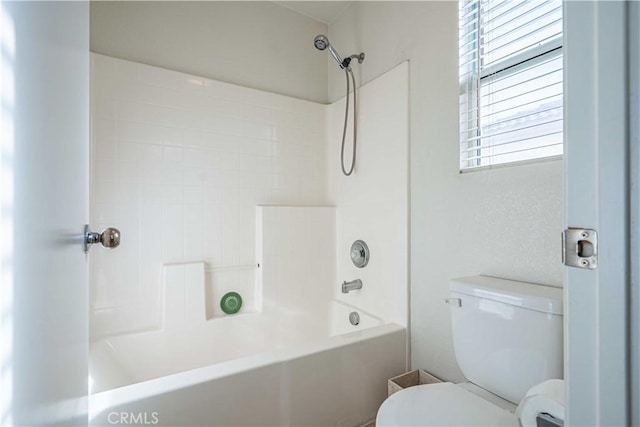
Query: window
(510, 81)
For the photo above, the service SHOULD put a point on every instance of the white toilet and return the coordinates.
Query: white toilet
(507, 338)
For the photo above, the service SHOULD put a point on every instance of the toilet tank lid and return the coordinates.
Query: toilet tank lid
(546, 299)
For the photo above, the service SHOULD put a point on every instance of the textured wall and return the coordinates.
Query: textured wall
(255, 44)
(504, 222)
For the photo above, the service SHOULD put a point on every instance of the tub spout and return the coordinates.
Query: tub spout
(351, 286)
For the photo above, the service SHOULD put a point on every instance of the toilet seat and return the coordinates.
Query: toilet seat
(441, 404)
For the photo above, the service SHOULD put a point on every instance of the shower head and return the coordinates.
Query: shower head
(321, 42)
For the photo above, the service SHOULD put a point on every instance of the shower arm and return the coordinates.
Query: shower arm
(347, 61)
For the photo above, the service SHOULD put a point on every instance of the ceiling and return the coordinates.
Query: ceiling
(323, 11)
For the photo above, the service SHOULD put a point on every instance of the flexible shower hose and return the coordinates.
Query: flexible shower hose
(348, 71)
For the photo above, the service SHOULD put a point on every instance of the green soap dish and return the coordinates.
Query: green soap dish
(231, 302)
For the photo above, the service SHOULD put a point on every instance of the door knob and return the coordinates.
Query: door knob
(109, 238)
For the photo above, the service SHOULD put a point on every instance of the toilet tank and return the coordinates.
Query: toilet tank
(507, 335)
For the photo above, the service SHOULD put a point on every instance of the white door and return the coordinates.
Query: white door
(597, 347)
(44, 160)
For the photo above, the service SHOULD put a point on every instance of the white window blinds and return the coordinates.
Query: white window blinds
(510, 81)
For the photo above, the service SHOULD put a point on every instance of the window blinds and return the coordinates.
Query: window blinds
(510, 81)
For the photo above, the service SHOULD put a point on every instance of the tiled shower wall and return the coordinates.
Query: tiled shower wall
(179, 164)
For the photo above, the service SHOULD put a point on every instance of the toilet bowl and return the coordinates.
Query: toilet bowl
(442, 404)
(507, 338)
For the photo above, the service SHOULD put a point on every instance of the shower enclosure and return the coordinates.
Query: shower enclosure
(219, 188)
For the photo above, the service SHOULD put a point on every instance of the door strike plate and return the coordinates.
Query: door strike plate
(580, 248)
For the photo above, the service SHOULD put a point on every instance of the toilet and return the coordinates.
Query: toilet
(507, 338)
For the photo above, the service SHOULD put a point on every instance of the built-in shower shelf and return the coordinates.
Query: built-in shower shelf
(233, 267)
(248, 311)
(187, 299)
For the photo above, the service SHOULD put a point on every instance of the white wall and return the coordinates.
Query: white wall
(373, 202)
(503, 222)
(179, 163)
(254, 44)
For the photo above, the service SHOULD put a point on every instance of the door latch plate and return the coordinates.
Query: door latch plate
(580, 248)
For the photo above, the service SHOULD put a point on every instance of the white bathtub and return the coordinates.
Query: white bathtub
(283, 368)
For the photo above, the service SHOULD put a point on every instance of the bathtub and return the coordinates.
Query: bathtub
(280, 367)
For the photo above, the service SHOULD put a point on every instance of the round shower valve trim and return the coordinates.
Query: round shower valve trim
(359, 253)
